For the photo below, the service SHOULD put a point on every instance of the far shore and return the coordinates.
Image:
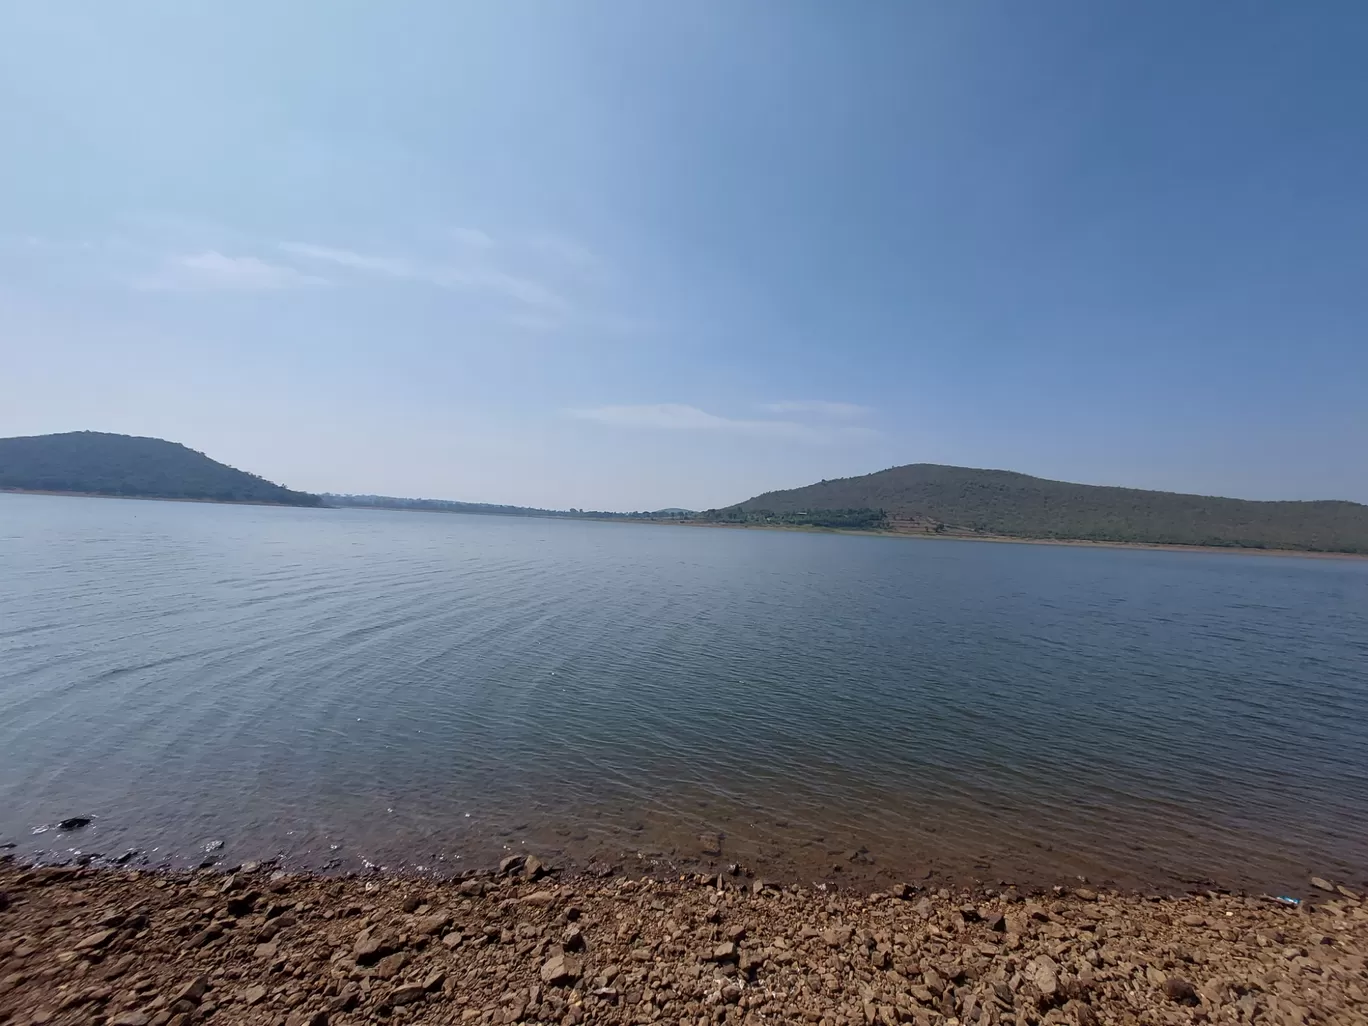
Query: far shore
(1001, 539)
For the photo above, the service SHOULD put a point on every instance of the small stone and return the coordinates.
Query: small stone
(130, 1019)
(433, 980)
(1044, 973)
(541, 898)
(511, 864)
(1321, 884)
(193, 991)
(1180, 991)
(391, 965)
(1194, 920)
(1351, 895)
(573, 939)
(1083, 894)
(426, 926)
(724, 952)
(95, 940)
(408, 994)
(534, 868)
(412, 903)
(560, 970)
(254, 995)
(370, 947)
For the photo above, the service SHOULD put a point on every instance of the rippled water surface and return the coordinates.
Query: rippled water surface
(427, 690)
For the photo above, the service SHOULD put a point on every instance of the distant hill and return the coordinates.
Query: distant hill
(925, 496)
(94, 462)
(493, 509)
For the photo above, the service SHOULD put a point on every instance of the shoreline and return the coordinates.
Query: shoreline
(998, 539)
(528, 944)
(160, 498)
(1005, 539)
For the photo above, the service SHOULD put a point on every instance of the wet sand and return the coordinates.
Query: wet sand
(527, 943)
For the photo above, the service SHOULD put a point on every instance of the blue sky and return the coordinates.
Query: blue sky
(629, 255)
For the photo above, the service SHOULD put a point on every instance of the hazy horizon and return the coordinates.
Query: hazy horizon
(631, 257)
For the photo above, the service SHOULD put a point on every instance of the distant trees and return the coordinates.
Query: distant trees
(848, 519)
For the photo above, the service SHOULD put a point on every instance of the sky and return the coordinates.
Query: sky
(625, 255)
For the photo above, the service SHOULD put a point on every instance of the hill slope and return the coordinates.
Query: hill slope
(1005, 503)
(106, 464)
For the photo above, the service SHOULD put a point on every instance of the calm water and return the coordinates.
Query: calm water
(425, 690)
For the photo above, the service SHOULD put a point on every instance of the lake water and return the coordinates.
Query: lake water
(427, 691)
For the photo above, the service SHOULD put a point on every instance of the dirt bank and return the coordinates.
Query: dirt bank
(131, 948)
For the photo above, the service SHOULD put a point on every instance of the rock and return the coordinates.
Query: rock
(724, 952)
(534, 868)
(370, 947)
(511, 864)
(426, 926)
(408, 994)
(130, 1019)
(1351, 895)
(74, 823)
(1044, 973)
(471, 888)
(254, 995)
(1083, 894)
(307, 1019)
(542, 898)
(193, 991)
(710, 844)
(433, 980)
(994, 920)
(837, 936)
(1322, 884)
(391, 965)
(573, 939)
(98, 939)
(1180, 991)
(560, 970)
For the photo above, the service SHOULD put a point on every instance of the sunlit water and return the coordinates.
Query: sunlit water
(428, 690)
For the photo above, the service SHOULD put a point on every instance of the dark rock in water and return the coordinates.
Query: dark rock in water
(7, 846)
(710, 844)
(534, 868)
(124, 859)
(74, 823)
(511, 864)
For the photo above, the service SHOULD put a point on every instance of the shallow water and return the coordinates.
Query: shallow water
(429, 690)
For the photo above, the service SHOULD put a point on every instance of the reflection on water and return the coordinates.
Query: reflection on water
(426, 689)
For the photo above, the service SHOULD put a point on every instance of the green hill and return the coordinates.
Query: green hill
(925, 496)
(94, 462)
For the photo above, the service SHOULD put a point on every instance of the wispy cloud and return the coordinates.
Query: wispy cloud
(818, 408)
(215, 271)
(524, 291)
(682, 417)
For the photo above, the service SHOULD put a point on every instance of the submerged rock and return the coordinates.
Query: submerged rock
(74, 823)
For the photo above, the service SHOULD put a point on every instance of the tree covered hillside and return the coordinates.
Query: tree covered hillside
(106, 464)
(1001, 502)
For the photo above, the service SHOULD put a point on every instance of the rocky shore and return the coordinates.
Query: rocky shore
(525, 945)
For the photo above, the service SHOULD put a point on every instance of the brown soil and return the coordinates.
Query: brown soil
(135, 948)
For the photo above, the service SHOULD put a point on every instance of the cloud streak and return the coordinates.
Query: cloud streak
(818, 408)
(215, 271)
(510, 287)
(682, 417)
